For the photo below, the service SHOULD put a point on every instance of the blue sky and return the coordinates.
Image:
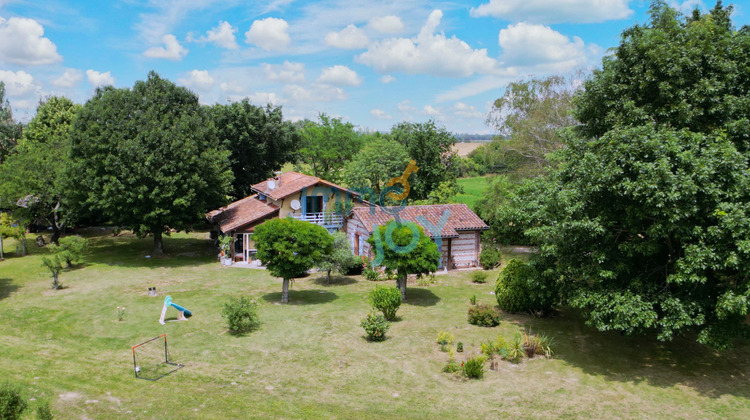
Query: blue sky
(372, 63)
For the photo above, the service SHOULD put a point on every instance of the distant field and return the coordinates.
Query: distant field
(463, 149)
(474, 189)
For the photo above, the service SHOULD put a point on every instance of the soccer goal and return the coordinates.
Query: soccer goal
(151, 359)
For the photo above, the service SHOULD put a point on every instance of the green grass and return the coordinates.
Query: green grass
(309, 359)
(474, 189)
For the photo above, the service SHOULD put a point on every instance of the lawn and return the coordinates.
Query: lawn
(474, 189)
(309, 358)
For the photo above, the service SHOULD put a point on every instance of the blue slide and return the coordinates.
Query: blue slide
(168, 301)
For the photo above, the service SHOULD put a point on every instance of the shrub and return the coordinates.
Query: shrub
(460, 347)
(484, 316)
(426, 280)
(387, 300)
(241, 315)
(451, 367)
(371, 274)
(445, 338)
(473, 368)
(444, 348)
(534, 344)
(375, 326)
(71, 249)
(490, 257)
(519, 289)
(513, 351)
(479, 277)
(492, 347)
(11, 402)
(473, 299)
(43, 411)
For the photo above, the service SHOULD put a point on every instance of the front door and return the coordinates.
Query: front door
(356, 244)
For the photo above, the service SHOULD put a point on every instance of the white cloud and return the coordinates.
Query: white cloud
(263, 98)
(69, 79)
(428, 53)
(405, 106)
(231, 86)
(21, 42)
(172, 50)
(475, 87)
(387, 79)
(687, 6)
(349, 38)
(199, 79)
(540, 47)
(222, 36)
(18, 83)
(387, 24)
(340, 76)
(545, 11)
(97, 79)
(463, 110)
(271, 34)
(433, 112)
(285, 73)
(380, 114)
(316, 93)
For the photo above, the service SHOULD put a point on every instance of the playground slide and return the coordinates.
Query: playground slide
(184, 314)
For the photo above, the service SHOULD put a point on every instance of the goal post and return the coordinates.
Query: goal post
(151, 359)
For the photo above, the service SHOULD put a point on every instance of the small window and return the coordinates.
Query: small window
(261, 197)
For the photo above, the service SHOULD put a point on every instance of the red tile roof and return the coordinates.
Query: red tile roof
(291, 182)
(460, 217)
(241, 212)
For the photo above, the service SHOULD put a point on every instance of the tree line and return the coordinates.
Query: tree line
(153, 159)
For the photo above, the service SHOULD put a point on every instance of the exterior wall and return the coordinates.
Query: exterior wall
(353, 227)
(465, 248)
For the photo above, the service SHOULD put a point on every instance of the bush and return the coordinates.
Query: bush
(534, 344)
(484, 316)
(490, 257)
(479, 277)
(451, 367)
(513, 350)
(519, 289)
(375, 326)
(460, 347)
(492, 347)
(371, 274)
(473, 299)
(241, 314)
(444, 338)
(43, 411)
(473, 368)
(387, 300)
(11, 402)
(71, 249)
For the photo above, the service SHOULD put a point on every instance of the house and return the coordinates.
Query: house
(290, 194)
(454, 227)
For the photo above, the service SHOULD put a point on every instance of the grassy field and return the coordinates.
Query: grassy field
(474, 188)
(309, 358)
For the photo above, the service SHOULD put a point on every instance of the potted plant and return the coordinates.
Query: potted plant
(225, 245)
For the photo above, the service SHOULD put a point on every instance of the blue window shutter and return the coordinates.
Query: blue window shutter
(303, 200)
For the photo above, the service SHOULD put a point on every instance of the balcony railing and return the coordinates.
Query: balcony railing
(323, 219)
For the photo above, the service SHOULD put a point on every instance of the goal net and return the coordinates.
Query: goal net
(151, 359)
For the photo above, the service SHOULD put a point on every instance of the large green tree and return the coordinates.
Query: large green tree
(34, 178)
(327, 145)
(149, 157)
(645, 223)
(289, 247)
(10, 130)
(259, 139)
(432, 149)
(372, 167)
(403, 248)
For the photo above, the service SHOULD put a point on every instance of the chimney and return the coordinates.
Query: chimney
(277, 178)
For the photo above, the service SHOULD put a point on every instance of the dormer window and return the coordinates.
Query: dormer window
(261, 197)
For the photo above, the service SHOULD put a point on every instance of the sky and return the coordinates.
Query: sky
(371, 63)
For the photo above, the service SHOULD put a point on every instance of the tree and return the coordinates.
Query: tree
(432, 149)
(644, 225)
(10, 131)
(34, 178)
(372, 167)
(340, 259)
(149, 158)
(404, 248)
(258, 138)
(289, 247)
(528, 118)
(327, 146)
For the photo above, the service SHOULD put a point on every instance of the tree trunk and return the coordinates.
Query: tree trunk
(158, 242)
(56, 231)
(401, 283)
(2, 256)
(329, 276)
(285, 291)
(55, 284)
